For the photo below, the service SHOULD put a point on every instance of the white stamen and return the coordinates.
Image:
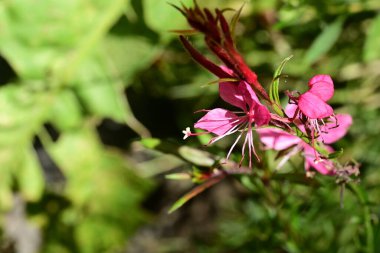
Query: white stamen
(233, 145)
(234, 129)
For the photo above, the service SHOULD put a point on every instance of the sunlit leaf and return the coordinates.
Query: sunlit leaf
(6, 195)
(66, 111)
(324, 42)
(54, 29)
(125, 54)
(150, 142)
(22, 113)
(31, 178)
(162, 17)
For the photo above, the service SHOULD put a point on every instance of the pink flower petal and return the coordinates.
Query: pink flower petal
(261, 112)
(262, 115)
(314, 107)
(230, 93)
(333, 131)
(227, 70)
(277, 139)
(249, 95)
(322, 86)
(217, 121)
(325, 167)
(290, 110)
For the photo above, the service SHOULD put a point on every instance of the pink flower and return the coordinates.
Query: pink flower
(310, 111)
(333, 131)
(278, 139)
(329, 131)
(222, 122)
(313, 102)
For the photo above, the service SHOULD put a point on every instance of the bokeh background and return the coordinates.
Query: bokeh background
(95, 93)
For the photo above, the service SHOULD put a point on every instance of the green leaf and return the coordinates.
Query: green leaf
(66, 111)
(22, 113)
(100, 188)
(178, 176)
(19, 163)
(235, 19)
(151, 143)
(161, 17)
(102, 92)
(324, 42)
(20, 117)
(100, 95)
(6, 194)
(87, 234)
(30, 177)
(372, 41)
(196, 156)
(127, 54)
(52, 35)
(273, 88)
(103, 100)
(95, 165)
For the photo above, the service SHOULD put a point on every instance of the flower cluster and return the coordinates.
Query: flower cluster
(306, 126)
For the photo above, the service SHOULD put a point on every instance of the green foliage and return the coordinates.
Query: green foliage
(161, 19)
(273, 88)
(104, 193)
(372, 42)
(71, 71)
(323, 43)
(76, 63)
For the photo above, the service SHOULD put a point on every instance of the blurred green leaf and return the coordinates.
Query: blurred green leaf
(30, 177)
(22, 112)
(325, 41)
(6, 195)
(88, 237)
(66, 112)
(151, 143)
(127, 54)
(196, 156)
(100, 186)
(372, 41)
(178, 176)
(162, 17)
(51, 32)
(102, 100)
